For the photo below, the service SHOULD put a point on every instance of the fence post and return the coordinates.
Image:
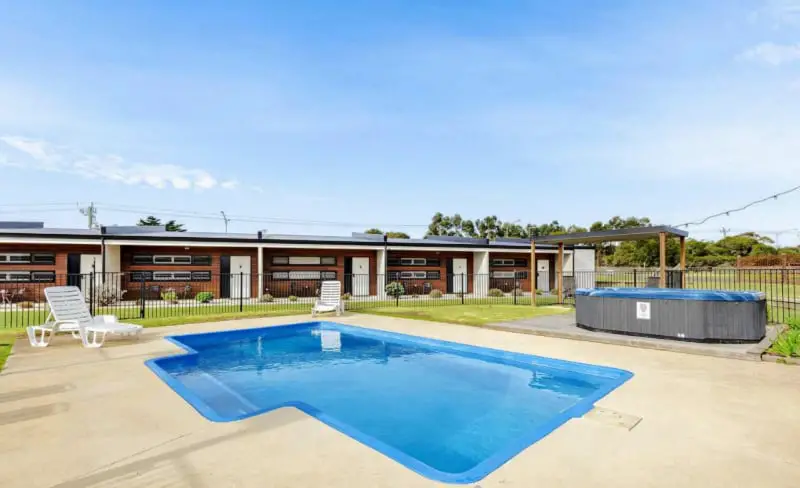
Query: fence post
(635, 285)
(91, 293)
(463, 286)
(141, 298)
(241, 291)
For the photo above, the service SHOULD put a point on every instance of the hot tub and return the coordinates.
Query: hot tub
(690, 315)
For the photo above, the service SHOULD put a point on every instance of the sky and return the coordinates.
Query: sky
(326, 117)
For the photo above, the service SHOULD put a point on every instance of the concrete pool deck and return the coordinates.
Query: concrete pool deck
(73, 417)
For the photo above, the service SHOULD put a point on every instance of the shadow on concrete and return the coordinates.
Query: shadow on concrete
(30, 413)
(11, 396)
(171, 467)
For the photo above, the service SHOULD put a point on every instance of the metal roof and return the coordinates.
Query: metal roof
(616, 235)
(155, 233)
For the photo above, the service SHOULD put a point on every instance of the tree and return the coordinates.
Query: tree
(392, 234)
(170, 226)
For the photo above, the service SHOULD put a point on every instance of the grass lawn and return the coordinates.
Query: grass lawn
(468, 314)
(788, 343)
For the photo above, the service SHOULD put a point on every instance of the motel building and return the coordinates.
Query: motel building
(142, 259)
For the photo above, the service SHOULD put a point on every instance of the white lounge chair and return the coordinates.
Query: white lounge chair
(330, 299)
(69, 313)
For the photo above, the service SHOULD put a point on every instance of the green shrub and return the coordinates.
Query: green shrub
(495, 292)
(266, 298)
(292, 298)
(346, 296)
(395, 289)
(204, 296)
(793, 323)
(788, 344)
(435, 294)
(169, 295)
(538, 292)
(25, 304)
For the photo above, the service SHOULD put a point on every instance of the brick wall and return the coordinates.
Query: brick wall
(35, 291)
(304, 287)
(134, 289)
(443, 257)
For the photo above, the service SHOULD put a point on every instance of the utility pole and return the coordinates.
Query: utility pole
(91, 213)
(226, 219)
(724, 232)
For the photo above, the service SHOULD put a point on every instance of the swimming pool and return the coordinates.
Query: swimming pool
(448, 411)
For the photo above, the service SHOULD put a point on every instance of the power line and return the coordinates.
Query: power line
(734, 210)
(245, 218)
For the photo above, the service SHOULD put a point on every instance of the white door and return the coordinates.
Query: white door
(87, 261)
(543, 274)
(459, 275)
(240, 284)
(360, 277)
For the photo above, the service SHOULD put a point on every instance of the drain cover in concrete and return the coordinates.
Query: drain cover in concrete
(612, 417)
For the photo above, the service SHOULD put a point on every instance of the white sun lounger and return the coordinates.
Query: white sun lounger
(69, 313)
(330, 299)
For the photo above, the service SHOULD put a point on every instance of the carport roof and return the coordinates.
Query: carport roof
(616, 235)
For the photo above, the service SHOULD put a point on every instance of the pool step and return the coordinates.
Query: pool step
(612, 417)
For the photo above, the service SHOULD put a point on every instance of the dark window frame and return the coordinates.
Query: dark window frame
(332, 261)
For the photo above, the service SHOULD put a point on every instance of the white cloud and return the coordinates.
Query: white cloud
(779, 13)
(230, 184)
(41, 155)
(774, 54)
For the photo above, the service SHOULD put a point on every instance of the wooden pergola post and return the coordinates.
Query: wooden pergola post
(662, 259)
(532, 276)
(683, 261)
(560, 271)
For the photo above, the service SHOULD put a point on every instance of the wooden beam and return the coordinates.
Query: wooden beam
(532, 274)
(662, 259)
(683, 261)
(560, 271)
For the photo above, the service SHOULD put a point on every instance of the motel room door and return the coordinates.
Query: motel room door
(360, 277)
(240, 276)
(543, 274)
(460, 275)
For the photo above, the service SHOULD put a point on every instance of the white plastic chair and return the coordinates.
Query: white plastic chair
(330, 299)
(69, 313)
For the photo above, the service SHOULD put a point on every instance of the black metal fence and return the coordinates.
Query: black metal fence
(129, 297)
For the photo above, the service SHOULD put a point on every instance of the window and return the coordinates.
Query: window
(179, 259)
(413, 261)
(502, 262)
(503, 274)
(18, 276)
(201, 275)
(522, 275)
(304, 275)
(172, 276)
(304, 260)
(43, 258)
(142, 276)
(142, 259)
(413, 275)
(15, 258)
(43, 276)
(434, 275)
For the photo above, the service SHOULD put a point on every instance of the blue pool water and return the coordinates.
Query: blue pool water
(449, 411)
